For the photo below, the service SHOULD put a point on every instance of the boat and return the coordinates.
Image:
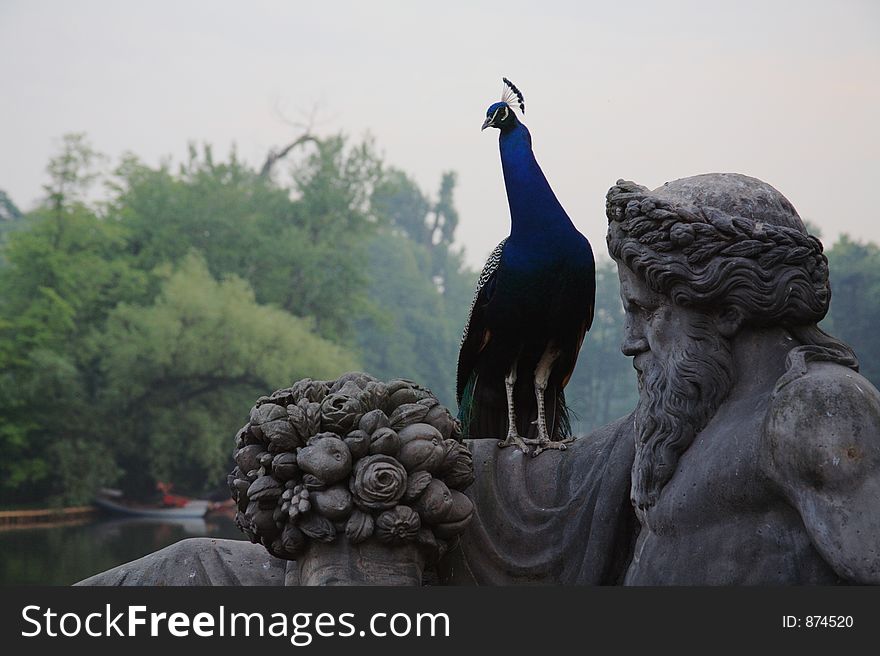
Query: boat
(171, 506)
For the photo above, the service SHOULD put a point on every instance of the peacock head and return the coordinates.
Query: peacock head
(501, 115)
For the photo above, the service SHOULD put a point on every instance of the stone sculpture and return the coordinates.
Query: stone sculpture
(328, 467)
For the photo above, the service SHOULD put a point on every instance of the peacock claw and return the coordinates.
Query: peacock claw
(544, 444)
(514, 440)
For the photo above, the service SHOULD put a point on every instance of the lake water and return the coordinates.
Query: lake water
(62, 555)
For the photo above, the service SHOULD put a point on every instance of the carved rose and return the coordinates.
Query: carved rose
(407, 395)
(340, 412)
(378, 483)
(398, 525)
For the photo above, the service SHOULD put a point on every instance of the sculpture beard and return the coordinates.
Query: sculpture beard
(678, 395)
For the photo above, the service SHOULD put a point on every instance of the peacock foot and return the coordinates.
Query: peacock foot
(543, 444)
(514, 440)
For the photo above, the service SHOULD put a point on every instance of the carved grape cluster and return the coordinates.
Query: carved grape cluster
(353, 459)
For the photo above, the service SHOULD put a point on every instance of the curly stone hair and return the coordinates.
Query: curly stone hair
(730, 240)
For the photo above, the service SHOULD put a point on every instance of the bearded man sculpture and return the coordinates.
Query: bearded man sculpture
(753, 456)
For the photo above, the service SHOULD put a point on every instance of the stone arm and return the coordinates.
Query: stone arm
(822, 448)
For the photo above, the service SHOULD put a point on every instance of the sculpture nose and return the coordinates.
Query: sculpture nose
(634, 341)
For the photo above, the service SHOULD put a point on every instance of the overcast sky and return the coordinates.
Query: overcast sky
(788, 92)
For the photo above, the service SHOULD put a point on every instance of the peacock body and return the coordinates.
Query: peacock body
(532, 307)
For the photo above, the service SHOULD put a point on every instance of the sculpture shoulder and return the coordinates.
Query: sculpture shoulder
(822, 449)
(823, 427)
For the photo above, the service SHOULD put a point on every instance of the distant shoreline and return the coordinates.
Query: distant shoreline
(27, 518)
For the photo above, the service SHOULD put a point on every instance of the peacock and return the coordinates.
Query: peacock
(532, 307)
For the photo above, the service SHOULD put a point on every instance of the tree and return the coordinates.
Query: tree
(398, 199)
(64, 270)
(419, 288)
(408, 330)
(855, 313)
(10, 216)
(181, 372)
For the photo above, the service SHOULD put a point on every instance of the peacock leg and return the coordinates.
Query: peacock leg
(512, 436)
(542, 377)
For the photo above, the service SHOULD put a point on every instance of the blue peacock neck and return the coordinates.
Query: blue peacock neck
(535, 212)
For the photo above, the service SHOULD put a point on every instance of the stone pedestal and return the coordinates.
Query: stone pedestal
(368, 563)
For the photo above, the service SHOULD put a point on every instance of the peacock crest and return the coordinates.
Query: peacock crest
(513, 96)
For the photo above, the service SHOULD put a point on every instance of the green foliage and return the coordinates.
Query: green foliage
(219, 209)
(181, 373)
(855, 314)
(136, 333)
(8, 210)
(398, 200)
(419, 288)
(62, 275)
(410, 330)
(298, 247)
(10, 217)
(71, 172)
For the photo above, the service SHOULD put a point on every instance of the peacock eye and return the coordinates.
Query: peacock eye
(506, 112)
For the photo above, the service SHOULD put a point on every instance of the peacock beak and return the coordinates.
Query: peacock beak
(487, 123)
